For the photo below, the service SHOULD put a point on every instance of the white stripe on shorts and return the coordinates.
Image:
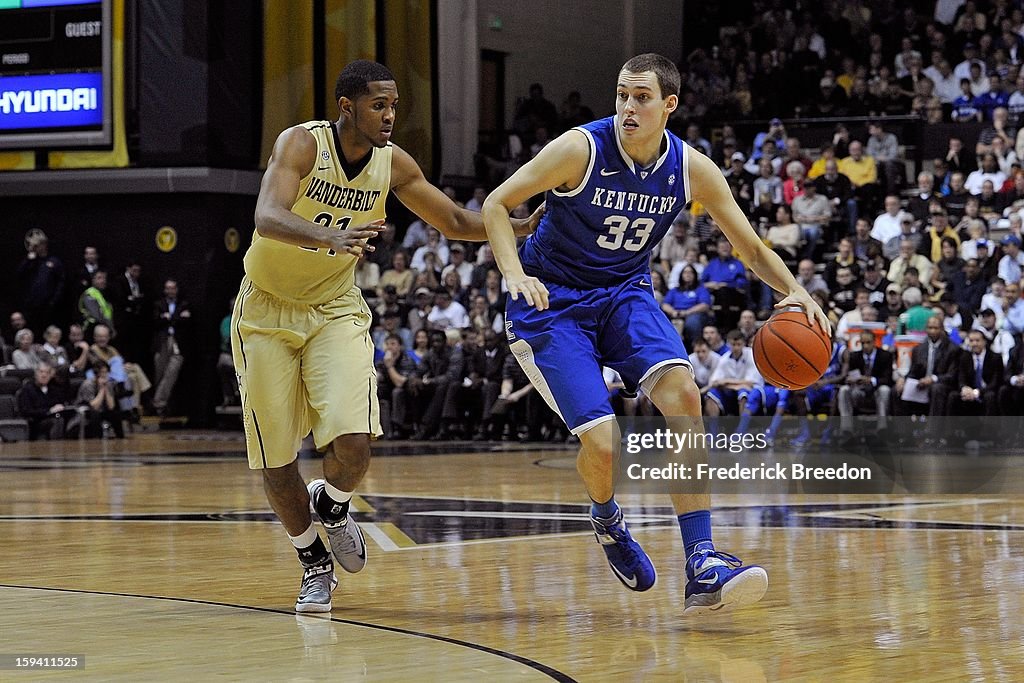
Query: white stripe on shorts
(590, 425)
(658, 370)
(524, 354)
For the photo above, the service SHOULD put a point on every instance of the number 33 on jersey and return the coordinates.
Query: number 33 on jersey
(330, 197)
(602, 232)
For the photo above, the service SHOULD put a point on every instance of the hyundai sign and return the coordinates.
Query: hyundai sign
(51, 101)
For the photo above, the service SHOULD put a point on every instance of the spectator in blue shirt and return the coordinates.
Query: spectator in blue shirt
(995, 97)
(776, 131)
(726, 278)
(688, 306)
(724, 270)
(965, 107)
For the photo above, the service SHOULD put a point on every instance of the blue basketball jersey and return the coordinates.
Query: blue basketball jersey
(602, 233)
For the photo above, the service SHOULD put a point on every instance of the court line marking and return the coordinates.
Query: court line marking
(624, 498)
(559, 516)
(983, 526)
(395, 534)
(377, 534)
(674, 529)
(548, 671)
(880, 505)
(388, 543)
(506, 539)
(904, 506)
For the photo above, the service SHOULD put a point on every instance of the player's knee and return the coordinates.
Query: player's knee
(679, 395)
(352, 446)
(601, 454)
(279, 478)
(690, 397)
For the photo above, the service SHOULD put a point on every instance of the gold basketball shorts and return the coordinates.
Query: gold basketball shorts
(302, 368)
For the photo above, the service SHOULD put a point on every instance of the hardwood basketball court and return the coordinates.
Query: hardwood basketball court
(158, 557)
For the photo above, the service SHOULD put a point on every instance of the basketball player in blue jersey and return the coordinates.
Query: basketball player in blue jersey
(300, 329)
(581, 297)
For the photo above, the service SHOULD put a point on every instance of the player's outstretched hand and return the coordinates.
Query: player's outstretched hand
(800, 297)
(353, 240)
(532, 289)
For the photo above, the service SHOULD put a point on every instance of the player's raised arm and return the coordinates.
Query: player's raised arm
(560, 164)
(436, 208)
(292, 160)
(710, 189)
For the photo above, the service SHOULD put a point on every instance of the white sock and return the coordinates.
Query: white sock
(337, 495)
(305, 539)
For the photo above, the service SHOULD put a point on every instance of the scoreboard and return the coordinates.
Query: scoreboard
(55, 74)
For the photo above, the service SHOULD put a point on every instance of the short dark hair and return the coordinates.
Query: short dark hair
(355, 78)
(735, 335)
(663, 67)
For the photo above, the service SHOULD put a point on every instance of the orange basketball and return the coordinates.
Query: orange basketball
(790, 353)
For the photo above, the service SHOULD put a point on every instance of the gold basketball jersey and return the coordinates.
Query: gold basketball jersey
(308, 275)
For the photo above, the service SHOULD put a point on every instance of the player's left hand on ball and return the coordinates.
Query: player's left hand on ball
(800, 297)
(532, 289)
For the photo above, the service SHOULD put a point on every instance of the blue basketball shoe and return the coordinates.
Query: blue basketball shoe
(625, 556)
(717, 580)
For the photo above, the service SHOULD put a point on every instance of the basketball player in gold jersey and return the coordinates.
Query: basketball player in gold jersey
(300, 330)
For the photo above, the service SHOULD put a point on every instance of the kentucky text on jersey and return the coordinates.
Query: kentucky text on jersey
(632, 201)
(35, 101)
(602, 232)
(345, 198)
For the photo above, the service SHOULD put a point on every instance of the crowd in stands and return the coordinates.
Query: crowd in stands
(933, 259)
(950, 60)
(78, 383)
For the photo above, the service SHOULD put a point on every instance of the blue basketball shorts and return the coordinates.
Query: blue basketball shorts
(769, 400)
(563, 349)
